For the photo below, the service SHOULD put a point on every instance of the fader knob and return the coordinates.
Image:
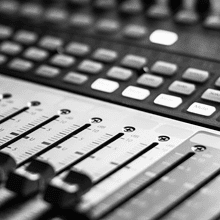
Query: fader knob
(29, 180)
(67, 191)
(7, 164)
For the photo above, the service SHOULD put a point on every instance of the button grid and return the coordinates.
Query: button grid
(88, 61)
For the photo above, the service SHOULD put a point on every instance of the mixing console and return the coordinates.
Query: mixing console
(109, 110)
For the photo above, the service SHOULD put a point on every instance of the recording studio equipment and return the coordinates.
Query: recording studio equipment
(109, 110)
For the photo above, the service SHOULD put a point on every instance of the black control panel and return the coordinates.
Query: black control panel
(109, 109)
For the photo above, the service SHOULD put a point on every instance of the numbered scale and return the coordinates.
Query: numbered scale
(63, 153)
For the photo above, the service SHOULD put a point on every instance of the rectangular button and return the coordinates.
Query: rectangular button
(20, 64)
(182, 87)
(77, 49)
(105, 85)
(47, 71)
(201, 109)
(150, 80)
(75, 78)
(89, 66)
(211, 95)
(10, 48)
(36, 54)
(119, 73)
(168, 100)
(164, 68)
(25, 37)
(62, 60)
(51, 43)
(134, 92)
(105, 55)
(3, 59)
(5, 32)
(133, 61)
(196, 75)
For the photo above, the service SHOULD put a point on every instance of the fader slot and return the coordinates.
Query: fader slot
(32, 177)
(74, 149)
(159, 197)
(23, 124)
(102, 206)
(193, 207)
(110, 158)
(25, 130)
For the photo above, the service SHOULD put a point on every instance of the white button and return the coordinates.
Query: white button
(163, 37)
(105, 85)
(136, 93)
(201, 109)
(168, 100)
(211, 95)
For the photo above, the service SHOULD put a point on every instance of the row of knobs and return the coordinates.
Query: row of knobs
(200, 5)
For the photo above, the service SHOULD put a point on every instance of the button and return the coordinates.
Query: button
(168, 100)
(135, 31)
(77, 49)
(196, 75)
(81, 21)
(62, 60)
(68, 189)
(3, 59)
(133, 61)
(188, 17)
(30, 179)
(217, 82)
(7, 164)
(107, 26)
(51, 43)
(119, 73)
(25, 37)
(10, 48)
(134, 92)
(20, 65)
(75, 78)
(150, 80)
(47, 71)
(182, 87)
(159, 10)
(201, 109)
(89, 66)
(36, 54)
(212, 22)
(105, 85)
(31, 10)
(105, 55)
(163, 37)
(9, 7)
(56, 15)
(5, 32)
(131, 7)
(164, 68)
(211, 95)
(105, 5)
